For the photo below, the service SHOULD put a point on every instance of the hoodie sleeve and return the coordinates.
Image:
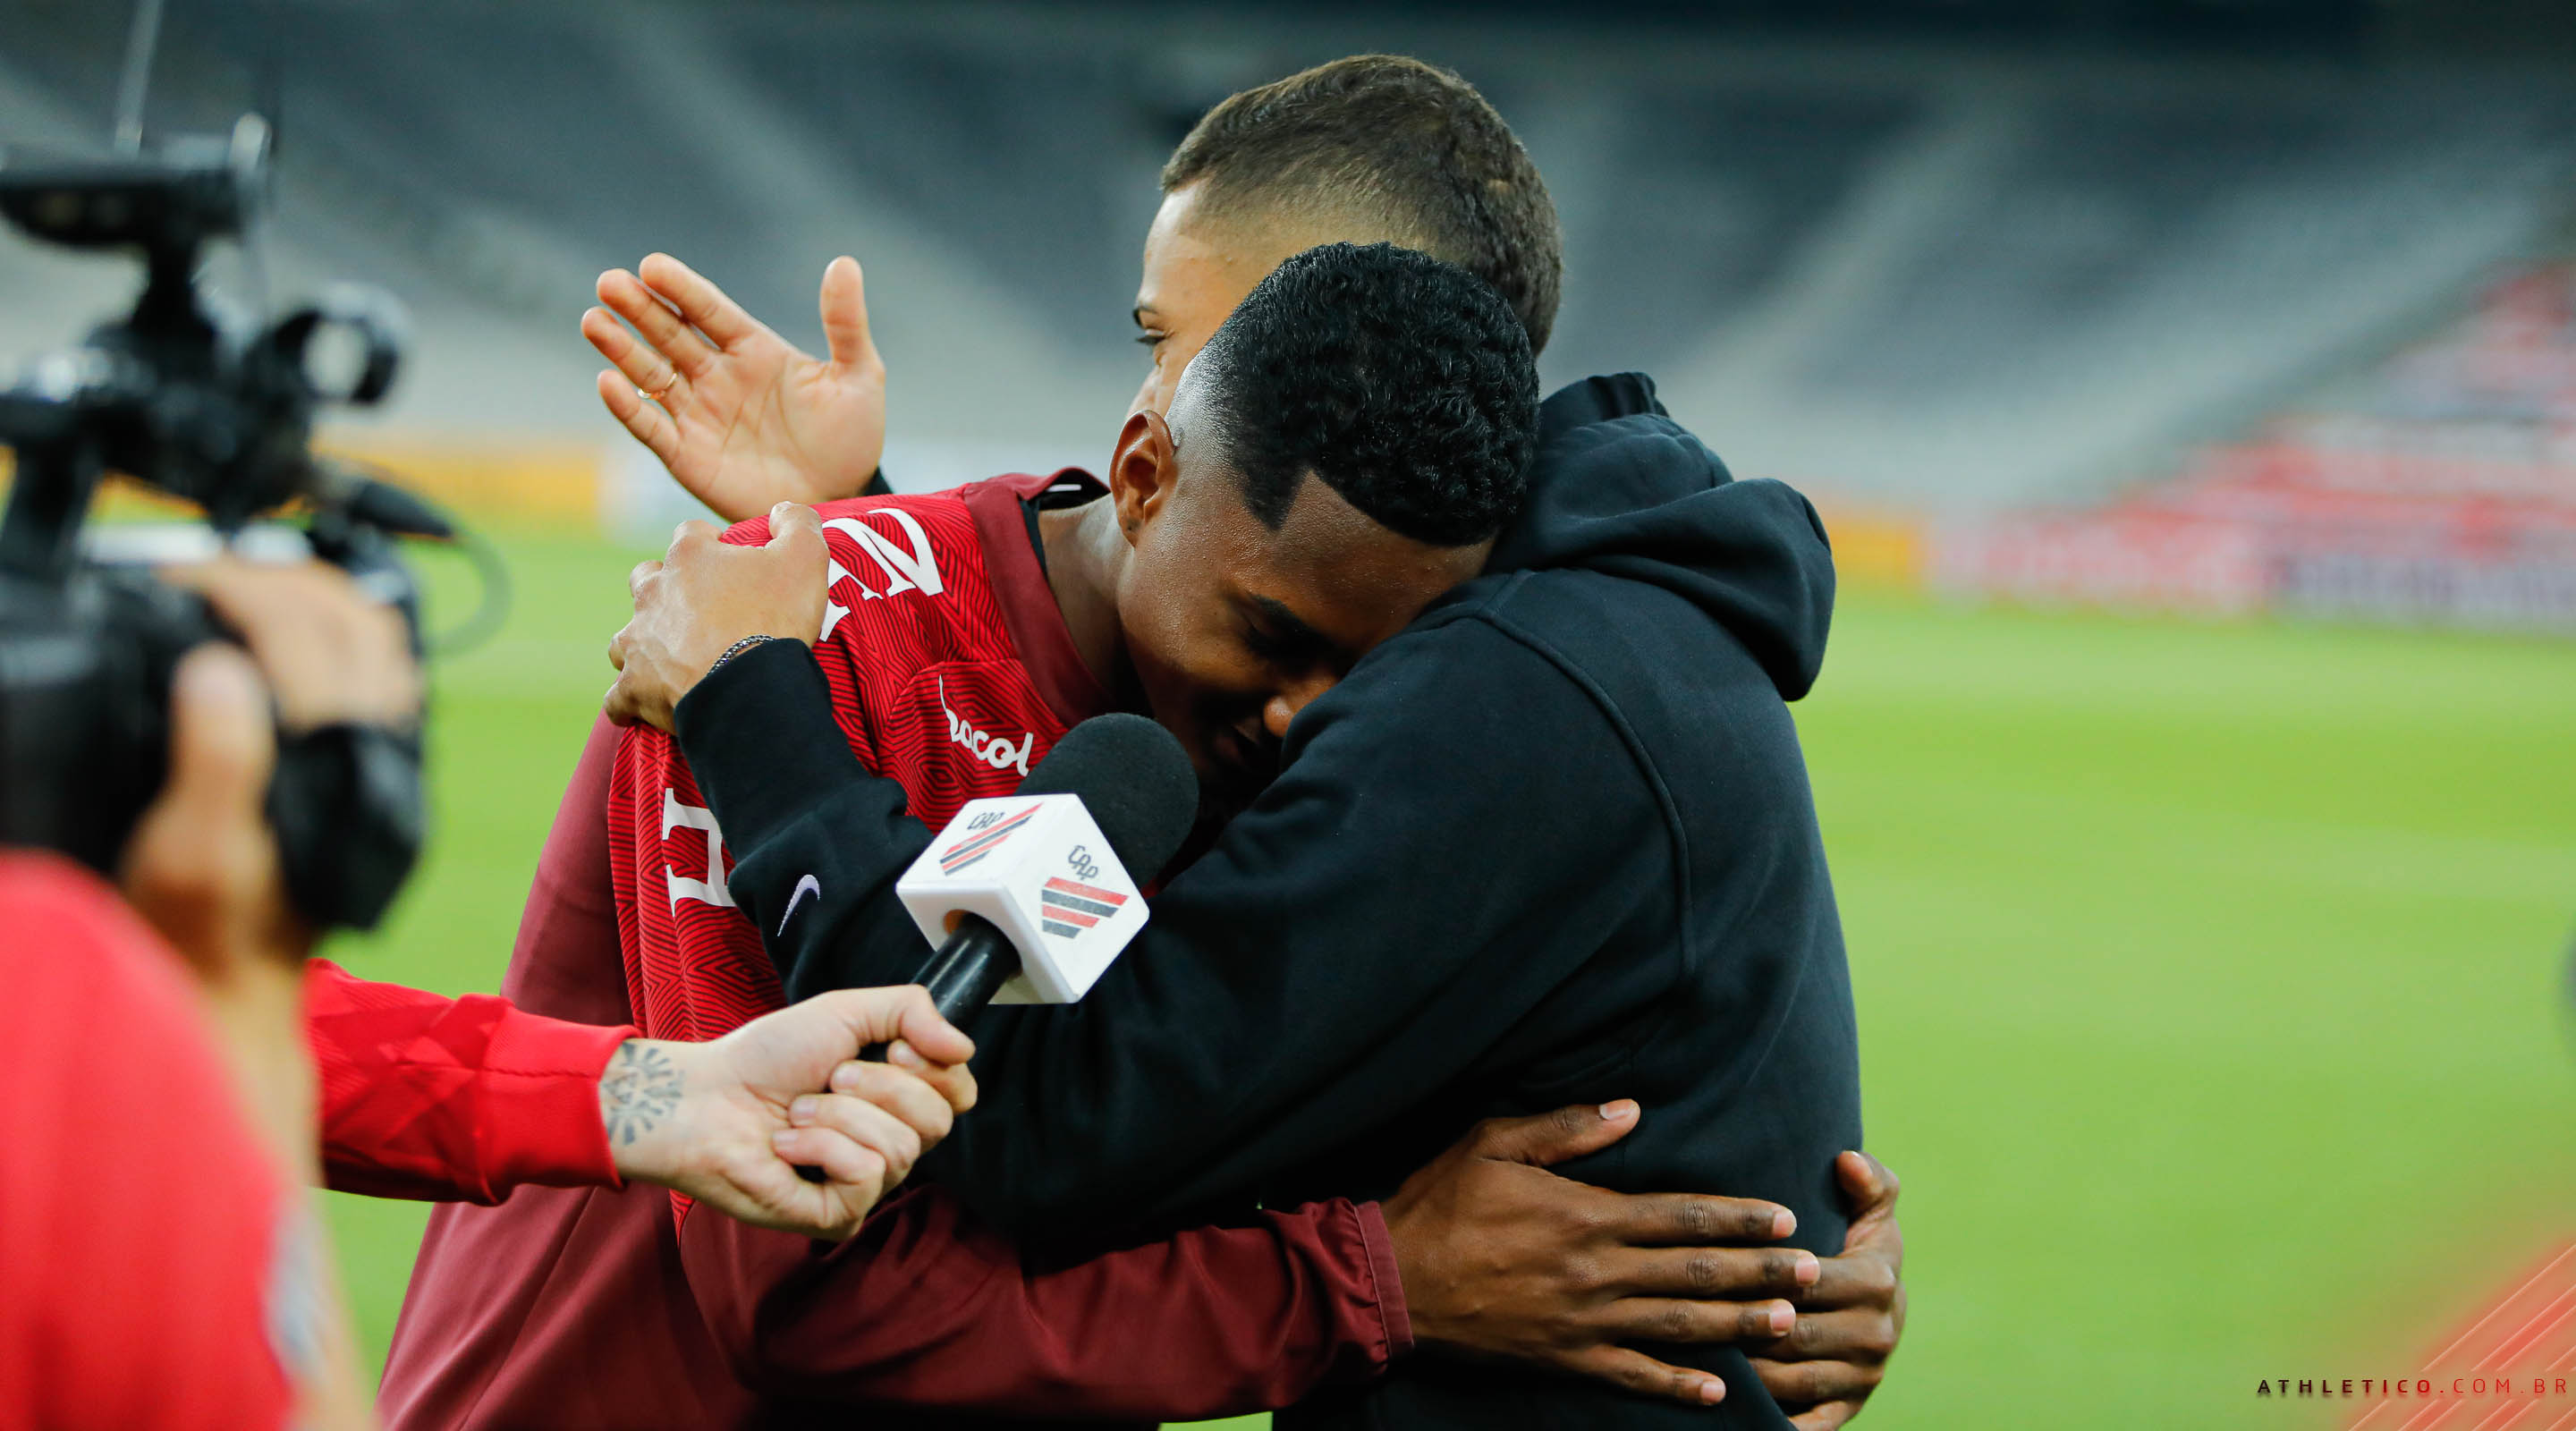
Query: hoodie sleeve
(1386, 913)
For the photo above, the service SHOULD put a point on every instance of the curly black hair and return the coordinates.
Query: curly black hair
(1404, 383)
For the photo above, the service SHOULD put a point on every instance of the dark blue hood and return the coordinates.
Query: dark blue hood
(1618, 487)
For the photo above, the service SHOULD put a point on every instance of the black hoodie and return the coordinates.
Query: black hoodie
(1551, 844)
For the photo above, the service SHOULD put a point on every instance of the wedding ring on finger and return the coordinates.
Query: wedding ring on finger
(657, 394)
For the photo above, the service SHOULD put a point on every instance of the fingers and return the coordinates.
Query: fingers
(201, 865)
(701, 302)
(1737, 1273)
(1642, 1374)
(686, 352)
(1827, 1417)
(1862, 1336)
(636, 363)
(687, 536)
(1696, 1219)
(1855, 1279)
(1867, 1182)
(325, 651)
(797, 529)
(1806, 1383)
(955, 1081)
(645, 422)
(640, 573)
(909, 1098)
(621, 706)
(222, 747)
(845, 314)
(842, 1159)
(1546, 1138)
(1677, 1320)
(930, 1036)
(869, 1016)
(896, 1142)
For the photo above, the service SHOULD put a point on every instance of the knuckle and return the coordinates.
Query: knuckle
(1671, 1324)
(1694, 1218)
(1705, 1271)
(1586, 1274)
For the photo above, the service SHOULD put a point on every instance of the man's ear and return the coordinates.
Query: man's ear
(1142, 471)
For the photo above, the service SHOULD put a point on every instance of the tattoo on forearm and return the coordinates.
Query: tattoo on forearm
(640, 1088)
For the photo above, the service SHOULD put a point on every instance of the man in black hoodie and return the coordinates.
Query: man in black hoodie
(1552, 843)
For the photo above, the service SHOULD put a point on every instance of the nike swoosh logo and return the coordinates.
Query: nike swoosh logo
(805, 886)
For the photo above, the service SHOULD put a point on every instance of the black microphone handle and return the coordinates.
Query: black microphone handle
(964, 974)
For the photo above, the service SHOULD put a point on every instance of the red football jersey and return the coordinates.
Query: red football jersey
(945, 678)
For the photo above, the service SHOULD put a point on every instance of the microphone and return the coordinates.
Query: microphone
(1029, 896)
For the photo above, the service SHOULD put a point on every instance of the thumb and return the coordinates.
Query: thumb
(1545, 1139)
(1866, 1182)
(845, 313)
(873, 1016)
(223, 742)
(796, 527)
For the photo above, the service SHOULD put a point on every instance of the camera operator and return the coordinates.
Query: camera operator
(168, 1030)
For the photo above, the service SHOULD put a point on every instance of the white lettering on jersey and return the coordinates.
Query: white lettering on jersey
(993, 750)
(904, 571)
(710, 890)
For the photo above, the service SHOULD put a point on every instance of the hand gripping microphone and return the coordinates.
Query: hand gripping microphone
(1029, 896)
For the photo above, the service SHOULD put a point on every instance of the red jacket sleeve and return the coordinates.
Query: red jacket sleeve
(450, 1100)
(925, 1307)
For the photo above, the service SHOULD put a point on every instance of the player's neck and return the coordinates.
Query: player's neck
(1084, 551)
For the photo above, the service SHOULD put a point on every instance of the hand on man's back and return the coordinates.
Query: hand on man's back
(1501, 1258)
(705, 596)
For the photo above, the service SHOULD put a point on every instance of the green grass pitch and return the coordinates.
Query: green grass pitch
(2211, 977)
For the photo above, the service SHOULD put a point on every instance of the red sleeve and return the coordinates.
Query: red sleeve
(444, 1099)
(122, 1306)
(925, 1307)
(424, 1097)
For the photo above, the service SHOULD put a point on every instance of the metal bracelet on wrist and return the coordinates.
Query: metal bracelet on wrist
(736, 649)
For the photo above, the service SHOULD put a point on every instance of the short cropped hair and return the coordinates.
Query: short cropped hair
(1394, 141)
(1401, 382)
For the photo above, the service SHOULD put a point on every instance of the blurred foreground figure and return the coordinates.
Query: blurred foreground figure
(160, 1266)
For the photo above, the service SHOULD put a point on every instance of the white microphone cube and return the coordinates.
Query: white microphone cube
(1038, 868)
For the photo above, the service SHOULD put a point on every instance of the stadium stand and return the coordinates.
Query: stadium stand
(2438, 487)
(1941, 276)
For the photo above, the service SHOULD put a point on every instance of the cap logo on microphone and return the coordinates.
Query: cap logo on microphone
(979, 843)
(1071, 908)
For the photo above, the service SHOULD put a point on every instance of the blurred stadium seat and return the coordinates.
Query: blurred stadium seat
(1919, 275)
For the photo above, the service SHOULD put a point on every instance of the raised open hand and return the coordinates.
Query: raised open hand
(743, 418)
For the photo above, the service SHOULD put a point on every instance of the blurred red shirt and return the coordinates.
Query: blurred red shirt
(154, 1263)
